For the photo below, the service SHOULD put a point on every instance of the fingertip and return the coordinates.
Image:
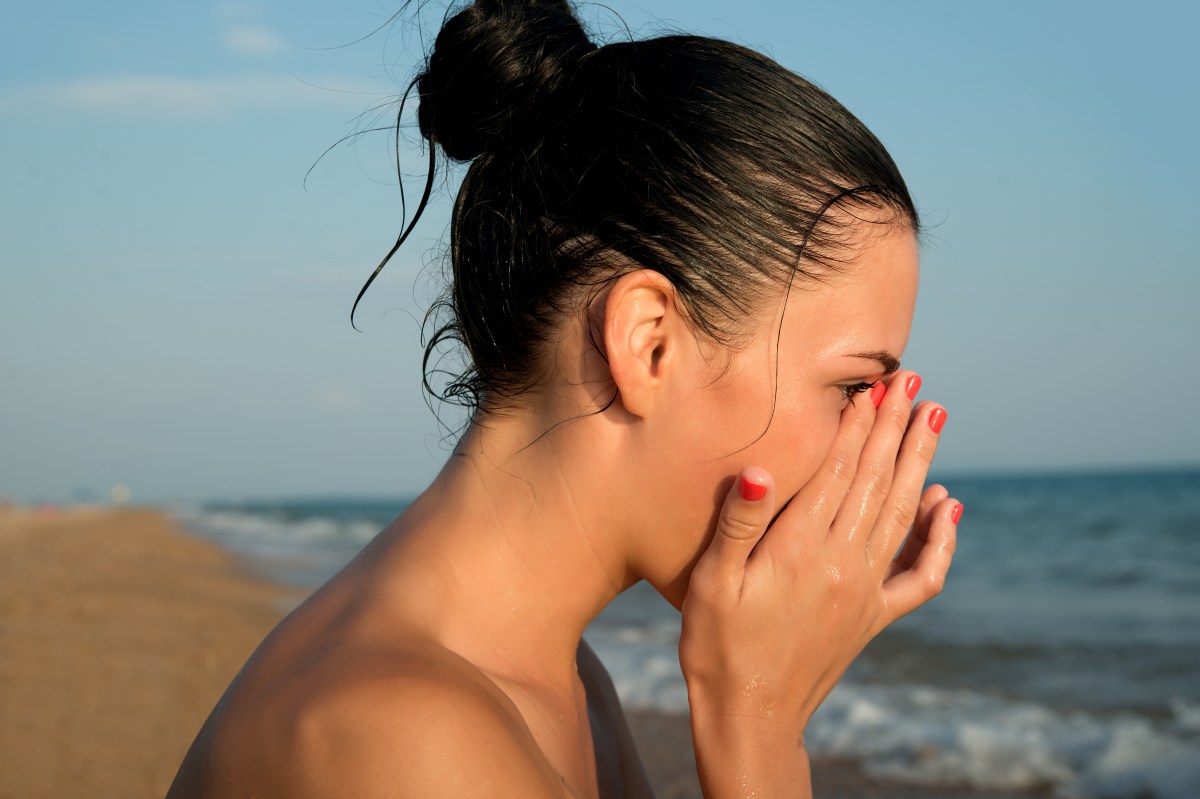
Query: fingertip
(912, 385)
(750, 490)
(877, 392)
(956, 513)
(935, 493)
(754, 483)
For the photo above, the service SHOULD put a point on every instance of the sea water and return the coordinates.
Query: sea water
(1063, 655)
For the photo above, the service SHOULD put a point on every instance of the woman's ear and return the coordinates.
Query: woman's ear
(644, 335)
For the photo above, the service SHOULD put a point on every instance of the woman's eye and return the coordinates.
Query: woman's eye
(856, 388)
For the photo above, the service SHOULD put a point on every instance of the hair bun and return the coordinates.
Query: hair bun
(496, 67)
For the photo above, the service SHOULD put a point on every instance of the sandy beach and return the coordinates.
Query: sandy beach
(118, 633)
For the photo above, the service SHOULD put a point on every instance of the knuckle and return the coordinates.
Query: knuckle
(739, 528)
(842, 583)
(903, 511)
(838, 468)
(924, 450)
(897, 417)
(934, 584)
(837, 587)
(878, 479)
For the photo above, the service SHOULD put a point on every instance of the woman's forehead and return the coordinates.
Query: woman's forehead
(865, 308)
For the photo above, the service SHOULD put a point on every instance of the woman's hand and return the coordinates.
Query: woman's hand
(776, 612)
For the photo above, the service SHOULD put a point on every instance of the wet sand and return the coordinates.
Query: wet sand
(118, 633)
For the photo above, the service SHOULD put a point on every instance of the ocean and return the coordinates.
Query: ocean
(1063, 656)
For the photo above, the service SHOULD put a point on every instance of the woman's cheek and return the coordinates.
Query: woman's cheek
(814, 440)
(816, 456)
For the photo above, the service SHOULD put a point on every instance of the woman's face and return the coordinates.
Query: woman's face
(777, 402)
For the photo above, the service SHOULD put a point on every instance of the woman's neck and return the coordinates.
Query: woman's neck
(517, 546)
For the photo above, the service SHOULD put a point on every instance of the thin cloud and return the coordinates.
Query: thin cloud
(336, 399)
(236, 10)
(178, 98)
(243, 34)
(252, 40)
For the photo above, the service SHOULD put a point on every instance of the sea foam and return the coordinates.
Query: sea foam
(931, 736)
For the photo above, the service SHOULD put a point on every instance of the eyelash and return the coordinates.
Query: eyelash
(856, 388)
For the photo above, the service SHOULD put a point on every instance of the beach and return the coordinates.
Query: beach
(119, 630)
(117, 635)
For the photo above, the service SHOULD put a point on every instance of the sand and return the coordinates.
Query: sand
(118, 633)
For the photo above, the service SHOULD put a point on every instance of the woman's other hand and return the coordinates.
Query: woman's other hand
(776, 611)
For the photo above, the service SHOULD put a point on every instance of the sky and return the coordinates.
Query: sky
(175, 296)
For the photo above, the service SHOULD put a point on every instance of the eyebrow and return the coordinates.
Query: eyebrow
(889, 362)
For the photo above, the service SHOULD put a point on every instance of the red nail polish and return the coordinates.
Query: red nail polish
(751, 492)
(912, 386)
(877, 392)
(937, 418)
(956, 514)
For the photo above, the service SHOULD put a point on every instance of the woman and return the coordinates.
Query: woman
(683, 276)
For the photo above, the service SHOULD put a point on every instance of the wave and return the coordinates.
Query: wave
(931, 736)
(304, 550)
(951, 738)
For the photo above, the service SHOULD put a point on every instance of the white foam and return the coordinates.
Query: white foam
(643, 663)
(1187, 714)
(307, 550)
(931, 736)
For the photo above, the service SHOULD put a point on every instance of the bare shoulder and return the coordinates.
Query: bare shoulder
(431, 728)
(397, 724)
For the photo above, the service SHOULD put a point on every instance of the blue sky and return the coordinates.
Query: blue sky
(174, 303)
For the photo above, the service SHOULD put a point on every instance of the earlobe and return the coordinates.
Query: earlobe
(641, 332)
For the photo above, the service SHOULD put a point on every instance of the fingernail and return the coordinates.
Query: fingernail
(877, 392)
(750, 491)
(912, 386)
(937, 418)
(956, 514)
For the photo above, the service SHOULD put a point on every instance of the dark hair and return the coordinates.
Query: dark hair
(695, 157)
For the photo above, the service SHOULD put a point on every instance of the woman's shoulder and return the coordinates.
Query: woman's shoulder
(419, 722)
(403, 720)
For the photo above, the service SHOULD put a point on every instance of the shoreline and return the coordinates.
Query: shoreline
(119, 630)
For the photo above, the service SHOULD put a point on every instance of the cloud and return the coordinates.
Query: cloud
(252, 40)
(180, 98)
(242, 33)
(236, 10)
(336, 398)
